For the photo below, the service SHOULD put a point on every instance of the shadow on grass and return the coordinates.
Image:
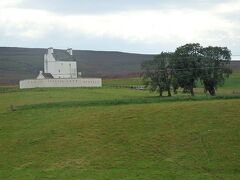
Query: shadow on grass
(115, 102)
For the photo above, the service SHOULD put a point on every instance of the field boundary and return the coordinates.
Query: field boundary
(146, 100)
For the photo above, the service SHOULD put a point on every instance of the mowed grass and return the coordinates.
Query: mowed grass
(109, 133)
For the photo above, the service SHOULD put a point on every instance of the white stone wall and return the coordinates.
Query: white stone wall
(62, 69)
(59, 69)
(40, 76)
(48, 58)
(46, 83)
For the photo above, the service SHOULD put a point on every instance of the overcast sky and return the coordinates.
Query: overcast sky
(142, 26)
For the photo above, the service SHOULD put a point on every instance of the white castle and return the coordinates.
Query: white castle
(60, 70)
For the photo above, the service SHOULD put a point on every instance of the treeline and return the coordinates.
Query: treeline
(185, 67)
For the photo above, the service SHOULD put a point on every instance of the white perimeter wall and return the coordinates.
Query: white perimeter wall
(79, 82)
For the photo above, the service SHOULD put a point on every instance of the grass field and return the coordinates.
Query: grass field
(111, 133)
(232, 81)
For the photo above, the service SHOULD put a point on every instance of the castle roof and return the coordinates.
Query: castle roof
(47, 75)
(60, 55)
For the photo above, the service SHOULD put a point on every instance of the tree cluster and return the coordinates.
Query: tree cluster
(185, 67)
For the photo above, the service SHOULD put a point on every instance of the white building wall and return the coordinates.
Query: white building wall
(47, 83)
(59, 69)
(62, 69)
(48, 58)
(40, 76)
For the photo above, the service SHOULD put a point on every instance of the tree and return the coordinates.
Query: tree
(157, 74)
(215, 67)
(185, 67)
(185, 64)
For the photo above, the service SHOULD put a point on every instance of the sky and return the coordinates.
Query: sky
(140, 26)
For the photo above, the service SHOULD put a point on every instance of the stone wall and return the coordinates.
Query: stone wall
(59, 69)
(45, 83)
(62, 69)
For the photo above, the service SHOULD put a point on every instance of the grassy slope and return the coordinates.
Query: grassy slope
(123, 81)
(183, 140)
(232, 84)
(232, 81)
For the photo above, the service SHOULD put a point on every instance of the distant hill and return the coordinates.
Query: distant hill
(235, 65)
(22, 63)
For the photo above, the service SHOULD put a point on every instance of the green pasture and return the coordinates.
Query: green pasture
(119, 133)
(232, 81)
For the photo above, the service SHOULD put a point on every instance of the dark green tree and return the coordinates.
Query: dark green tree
(215, 67)
(185, 64)
(157, 74)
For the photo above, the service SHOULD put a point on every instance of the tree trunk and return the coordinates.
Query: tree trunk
(175, 91)
(191, 91)
(169, 92)
(212, 92)
(160, 93)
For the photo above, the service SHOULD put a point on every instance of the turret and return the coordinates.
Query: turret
(69, 50)
(50, 50)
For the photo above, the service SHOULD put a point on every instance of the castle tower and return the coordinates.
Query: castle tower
(50, 50)
(70, 51)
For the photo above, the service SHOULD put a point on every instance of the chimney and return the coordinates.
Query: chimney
(69, 50)
(50, 50)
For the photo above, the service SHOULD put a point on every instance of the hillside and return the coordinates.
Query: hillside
(113, 133)
(22, 63)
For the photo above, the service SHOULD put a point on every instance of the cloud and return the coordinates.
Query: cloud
(147, 26)
(10, 3)
(109, 6)
(228, 7)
